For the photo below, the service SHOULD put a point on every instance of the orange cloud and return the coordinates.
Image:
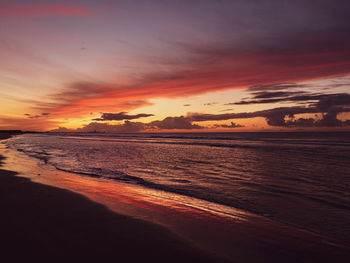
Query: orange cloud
(27, 124)
(217, 68)
(292, 59)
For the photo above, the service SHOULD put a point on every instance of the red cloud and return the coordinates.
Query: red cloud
(26, 10)
(294, 59)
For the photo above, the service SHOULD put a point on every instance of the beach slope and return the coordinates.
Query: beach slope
(50, 224)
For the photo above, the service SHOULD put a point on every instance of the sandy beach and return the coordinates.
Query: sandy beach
(175, 131)
(46, 223)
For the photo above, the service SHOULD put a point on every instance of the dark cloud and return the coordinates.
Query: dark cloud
(330, 120)
(280, 55)
(62, 129)
(210, 103)
(276, 117)
(174, 123)
(232, 125)
(30, 116)
(301, 98)
(335, 83)
(327, 102)
(227, 109)
(274, 97)
(121, 116)
(301, 122)
(277, 94)
(187, 105)
(37, 116)
(297, 99)
(127, 126)
(271, 114)
(330, 105)
(169, 123)
(276, 86)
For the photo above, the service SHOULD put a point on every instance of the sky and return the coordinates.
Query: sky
(174, 66)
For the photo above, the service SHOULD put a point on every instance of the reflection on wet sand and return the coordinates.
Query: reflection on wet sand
(231, 232)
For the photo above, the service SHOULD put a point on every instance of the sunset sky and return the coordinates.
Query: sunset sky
(129, 66)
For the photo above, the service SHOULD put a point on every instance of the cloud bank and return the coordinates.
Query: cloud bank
(330, 105)
(121, 116)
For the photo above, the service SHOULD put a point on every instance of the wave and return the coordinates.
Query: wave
(261, 175)
(244, 145)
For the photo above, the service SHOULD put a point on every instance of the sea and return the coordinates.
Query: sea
(296, 178)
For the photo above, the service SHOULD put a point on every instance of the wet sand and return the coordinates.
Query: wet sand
(45, 223)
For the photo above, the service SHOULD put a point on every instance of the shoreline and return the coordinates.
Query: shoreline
(243, 237)
(47, 223)
(43, 222)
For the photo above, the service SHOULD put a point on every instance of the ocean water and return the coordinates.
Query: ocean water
(300, 179)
